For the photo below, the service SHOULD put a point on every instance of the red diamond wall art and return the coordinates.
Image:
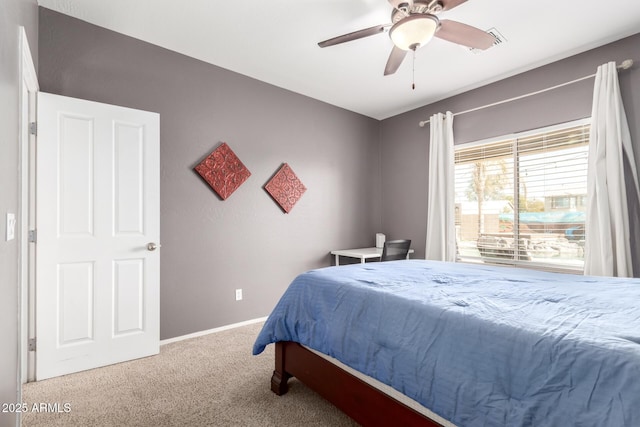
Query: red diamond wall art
(285, 188)
(223, 171)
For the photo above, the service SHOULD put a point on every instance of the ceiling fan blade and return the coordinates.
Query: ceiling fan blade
(466, 35)
(450, 4)
(354, 35)
(394, 61)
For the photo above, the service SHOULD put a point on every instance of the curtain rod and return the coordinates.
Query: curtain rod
(626, 64)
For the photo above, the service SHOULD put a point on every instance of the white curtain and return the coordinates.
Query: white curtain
(607, 244)
(441, 239)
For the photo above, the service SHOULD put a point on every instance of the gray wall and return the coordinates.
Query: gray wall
(211, 247)
(13, 14)
(405, 145)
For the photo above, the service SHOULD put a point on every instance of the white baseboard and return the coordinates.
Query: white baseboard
(212, 331)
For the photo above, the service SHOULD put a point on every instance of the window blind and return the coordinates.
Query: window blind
(521, 200)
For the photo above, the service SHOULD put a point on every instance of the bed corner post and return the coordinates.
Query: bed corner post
(280, 376)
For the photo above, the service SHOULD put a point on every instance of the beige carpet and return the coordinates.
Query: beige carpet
(206, 381)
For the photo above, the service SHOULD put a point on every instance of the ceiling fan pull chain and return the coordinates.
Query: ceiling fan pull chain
(413, 76)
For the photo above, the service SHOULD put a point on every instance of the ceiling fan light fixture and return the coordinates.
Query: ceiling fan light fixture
(414, 31)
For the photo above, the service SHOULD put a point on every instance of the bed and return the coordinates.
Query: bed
(472, 345)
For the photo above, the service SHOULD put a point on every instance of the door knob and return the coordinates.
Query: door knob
(153, 246)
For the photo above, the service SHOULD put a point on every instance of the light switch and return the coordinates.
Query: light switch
(11, 226)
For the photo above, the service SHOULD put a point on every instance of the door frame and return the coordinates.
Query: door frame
(28, 90)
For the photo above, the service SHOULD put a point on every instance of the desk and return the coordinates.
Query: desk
(362, 253)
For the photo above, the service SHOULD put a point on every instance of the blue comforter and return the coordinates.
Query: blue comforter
(478, 345)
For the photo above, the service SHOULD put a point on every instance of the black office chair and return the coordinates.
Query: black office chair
(395, 249)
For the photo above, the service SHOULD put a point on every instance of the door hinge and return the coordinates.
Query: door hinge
(33, 236)
(32, 344)
(33, 128)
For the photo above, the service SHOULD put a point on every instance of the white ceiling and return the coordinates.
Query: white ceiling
(276, 41)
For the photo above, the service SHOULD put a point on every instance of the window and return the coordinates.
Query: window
(521, 199)
(560, 202)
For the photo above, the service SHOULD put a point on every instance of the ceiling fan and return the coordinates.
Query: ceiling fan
(413, 24)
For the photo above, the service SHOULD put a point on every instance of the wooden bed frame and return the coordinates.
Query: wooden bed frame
(359, 400)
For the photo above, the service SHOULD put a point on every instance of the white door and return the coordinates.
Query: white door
(97, 221)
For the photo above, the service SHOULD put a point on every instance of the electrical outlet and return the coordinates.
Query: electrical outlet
(238, 294)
